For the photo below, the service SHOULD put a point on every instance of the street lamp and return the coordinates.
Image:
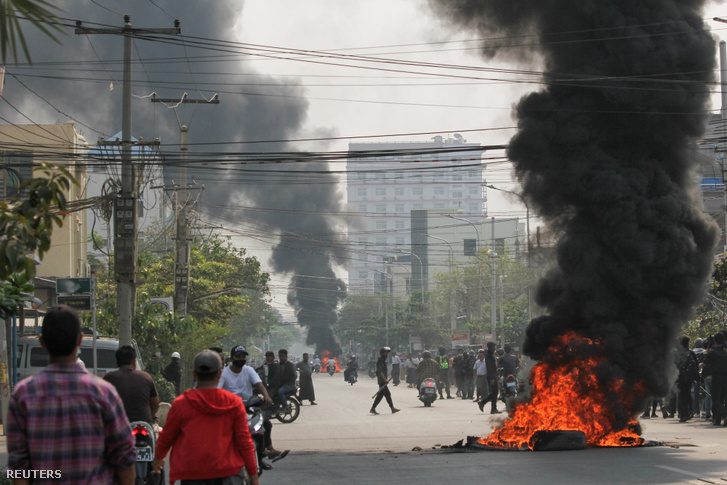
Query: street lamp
(493, 313)
(421, 267)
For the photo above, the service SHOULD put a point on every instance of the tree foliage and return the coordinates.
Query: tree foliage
(26, 226)
(711, 315)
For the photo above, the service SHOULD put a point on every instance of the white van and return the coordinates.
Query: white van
(32, 358)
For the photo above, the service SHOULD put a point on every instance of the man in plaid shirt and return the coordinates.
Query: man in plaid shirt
(65, 420)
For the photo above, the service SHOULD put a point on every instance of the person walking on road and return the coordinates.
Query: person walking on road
(383, 380)
(479, 371)
(306, 381)
(491, 366)
(173, 372)
(443, 381)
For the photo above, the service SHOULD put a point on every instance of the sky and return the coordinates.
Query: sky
(445, 87)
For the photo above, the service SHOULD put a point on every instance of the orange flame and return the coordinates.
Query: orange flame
(325, 358)
(567, 394)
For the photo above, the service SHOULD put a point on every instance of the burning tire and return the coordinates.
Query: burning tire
(557, 440)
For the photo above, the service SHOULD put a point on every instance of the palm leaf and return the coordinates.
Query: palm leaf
(38, 12)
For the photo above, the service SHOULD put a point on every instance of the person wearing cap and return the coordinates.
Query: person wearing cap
(173, 372)
(207, 430)
(382, 375)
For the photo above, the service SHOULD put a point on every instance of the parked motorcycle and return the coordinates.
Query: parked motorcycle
(428, 391)
(145, 444)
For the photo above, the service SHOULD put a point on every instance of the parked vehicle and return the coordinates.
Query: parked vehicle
(145, 444)
(32, 358)
(428, 391)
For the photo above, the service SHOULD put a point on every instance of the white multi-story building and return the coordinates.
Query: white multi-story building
(386, 181)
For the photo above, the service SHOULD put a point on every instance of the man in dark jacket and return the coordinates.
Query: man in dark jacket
(491, 364)
(287, 375)
(173, 372)
(382, 374)
(715, 365)
(688, 367)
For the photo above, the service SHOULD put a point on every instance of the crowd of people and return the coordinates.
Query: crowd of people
(700, 387)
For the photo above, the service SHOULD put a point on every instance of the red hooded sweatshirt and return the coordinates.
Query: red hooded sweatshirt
(208, 433)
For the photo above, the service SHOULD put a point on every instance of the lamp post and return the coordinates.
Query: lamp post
(493, 313)
(527, 236)
(421, 268)
(453, 320)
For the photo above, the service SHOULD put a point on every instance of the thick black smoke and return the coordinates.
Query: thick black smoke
(604, 153)
(253, 107)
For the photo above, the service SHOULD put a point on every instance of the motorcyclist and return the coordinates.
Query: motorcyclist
(351, 369)
(317, 364)
(331, 365)
(427, 368)
(136, 388)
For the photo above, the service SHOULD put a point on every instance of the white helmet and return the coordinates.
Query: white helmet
(175, 355)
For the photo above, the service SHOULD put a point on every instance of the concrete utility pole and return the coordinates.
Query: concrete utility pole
(125, 219)
(183, 205)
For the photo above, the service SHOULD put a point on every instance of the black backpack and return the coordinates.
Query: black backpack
(688, 368)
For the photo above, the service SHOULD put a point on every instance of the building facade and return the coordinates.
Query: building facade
(386, 181)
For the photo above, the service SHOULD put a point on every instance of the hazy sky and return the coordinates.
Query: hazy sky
(405, 72)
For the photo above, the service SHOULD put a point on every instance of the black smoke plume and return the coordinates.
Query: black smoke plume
(254, 107)
(604, 153)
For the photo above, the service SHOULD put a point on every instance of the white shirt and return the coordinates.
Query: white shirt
(395, 360)
(240, 384)
(480, 367)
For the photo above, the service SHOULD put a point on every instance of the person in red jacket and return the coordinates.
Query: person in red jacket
(207, 431)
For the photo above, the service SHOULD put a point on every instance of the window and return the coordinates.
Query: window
(438, 190)
(381, 208)
(381, 191)
(399, 191)
(417, 191)
(363, 275)
(361, 192)
(457, 176)
(474, 191)
(439, 205)
(418, 206)
(470, 247)
(381, 241)
(457, 194)
(400, 240)
(474, 208)
(399, 224)
(399, 208)
(362, 208)
(380, 225)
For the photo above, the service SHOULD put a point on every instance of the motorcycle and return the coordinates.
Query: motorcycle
(257, 430)
(509, 386)
(350, 376)
(317, 368)
(331, 369)
(428, 391)
(288, 411)
(372, 372)
(145, 444)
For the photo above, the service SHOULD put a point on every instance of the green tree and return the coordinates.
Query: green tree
(26, 226)
(711, 315)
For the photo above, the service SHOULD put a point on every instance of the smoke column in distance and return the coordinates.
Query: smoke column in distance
(254, 107)
(604, 153)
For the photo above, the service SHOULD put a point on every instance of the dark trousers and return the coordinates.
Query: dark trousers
(719, 394)
(684, 399)
(443, 382)
(384, 393)
(492, 397)
(468, 386)
(396, 373)
(482, 387)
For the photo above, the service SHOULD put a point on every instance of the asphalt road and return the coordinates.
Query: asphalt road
(338, 441)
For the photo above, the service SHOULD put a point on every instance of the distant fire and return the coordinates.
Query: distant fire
(325, 357)
(571, 392)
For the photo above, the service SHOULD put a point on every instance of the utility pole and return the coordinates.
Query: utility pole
(125, 219)
(182, 209)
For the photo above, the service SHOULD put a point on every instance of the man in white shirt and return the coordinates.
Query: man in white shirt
(395, 367)
(242, 379)
(480, 373)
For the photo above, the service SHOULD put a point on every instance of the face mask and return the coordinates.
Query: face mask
(238, 363)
